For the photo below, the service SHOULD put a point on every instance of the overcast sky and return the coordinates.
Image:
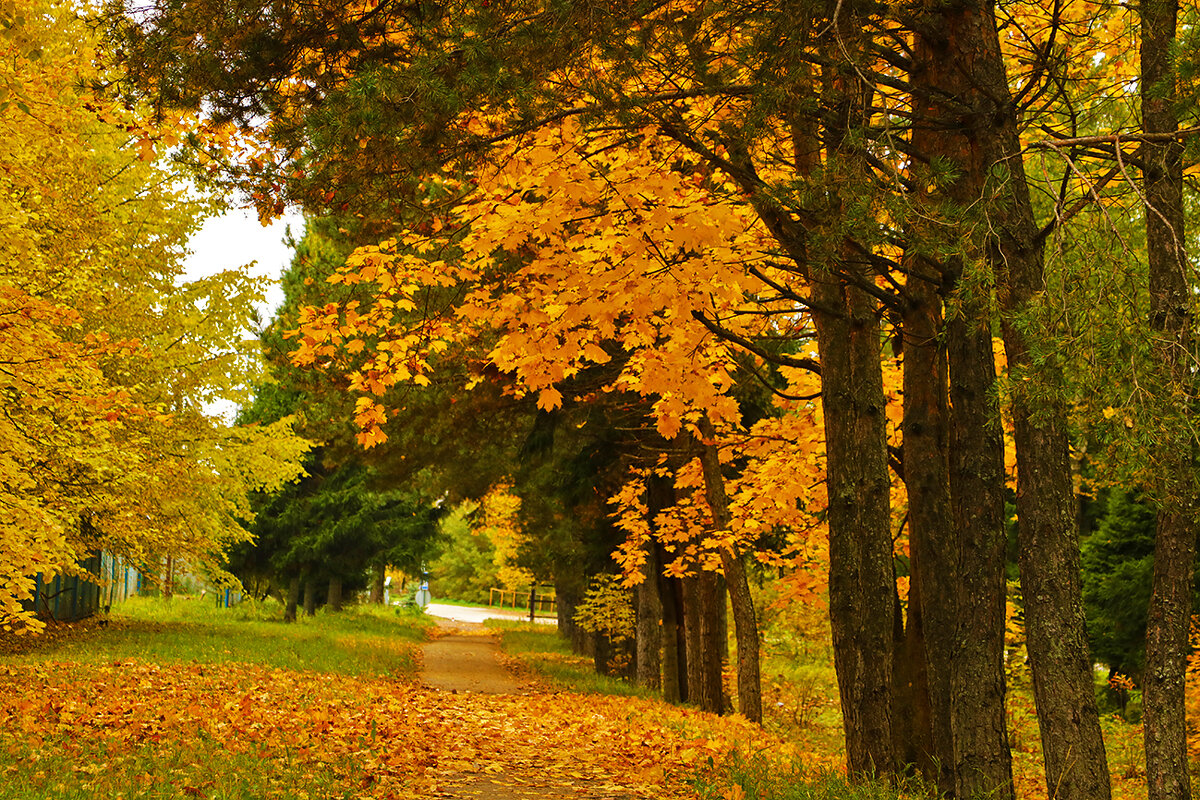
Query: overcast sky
(236, 238)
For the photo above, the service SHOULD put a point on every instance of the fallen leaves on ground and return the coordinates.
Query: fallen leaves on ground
(375, 738)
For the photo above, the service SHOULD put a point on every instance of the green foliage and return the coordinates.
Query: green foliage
(153, 771)
(336, 522)
(1117, 566)
(464, 567)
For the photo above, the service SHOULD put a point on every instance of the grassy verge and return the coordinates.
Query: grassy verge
(362, 640)
(549, 656)
(739, 776)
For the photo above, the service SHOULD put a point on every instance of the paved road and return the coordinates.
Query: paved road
(477, 615)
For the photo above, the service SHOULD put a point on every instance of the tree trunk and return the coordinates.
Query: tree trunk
(959, 57)
(979, 729)
(693, 663)
(744, 620)
(567, 592)
(293, 597)
(703, 656)
(1175, 538)
(861, 574)
(649, 622)
(958, 528)
(168, 580)
(674, 642)
(310, 596)
(923, 714)
(713, 644)
(378, 577)
(334, 601)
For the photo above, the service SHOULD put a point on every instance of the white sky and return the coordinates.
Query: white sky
(235, 239)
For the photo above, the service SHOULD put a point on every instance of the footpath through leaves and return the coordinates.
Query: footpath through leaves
(133, 729)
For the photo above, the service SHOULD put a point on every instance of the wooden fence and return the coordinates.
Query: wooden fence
(543, 600)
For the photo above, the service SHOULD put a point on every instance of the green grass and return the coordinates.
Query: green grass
(551, 658)
(761, 779)
(362, 640)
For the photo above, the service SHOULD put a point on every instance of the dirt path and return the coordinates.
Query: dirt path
(463, 658)
(512, 756)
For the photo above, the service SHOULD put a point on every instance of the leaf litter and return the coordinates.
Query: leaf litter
(355, 737)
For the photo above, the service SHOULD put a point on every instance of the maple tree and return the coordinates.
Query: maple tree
(106, 361)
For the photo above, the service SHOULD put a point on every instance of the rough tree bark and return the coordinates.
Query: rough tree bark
(674, 641)
(649, 623)
(700, 597)
(862, 581)
(961, 576)
(922, 721)
(861, 574)
(1170, 317)
(959, 60)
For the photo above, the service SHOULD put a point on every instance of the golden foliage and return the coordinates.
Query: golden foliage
(104, 361)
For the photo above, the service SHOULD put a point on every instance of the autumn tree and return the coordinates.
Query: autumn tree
(108, 355)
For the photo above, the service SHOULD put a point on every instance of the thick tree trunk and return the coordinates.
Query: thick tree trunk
(861, 574)
(923, 718)
(1175, 539)
(1163, 683)
(713, 644)
(960, 554)
(567, 595)
(293, 598)
(744, 619)
(703, 656)
(982, 758)
(1056, 636)
(959, 55)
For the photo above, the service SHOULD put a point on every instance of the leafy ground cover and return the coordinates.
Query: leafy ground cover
(191, 702)
(184, 701)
